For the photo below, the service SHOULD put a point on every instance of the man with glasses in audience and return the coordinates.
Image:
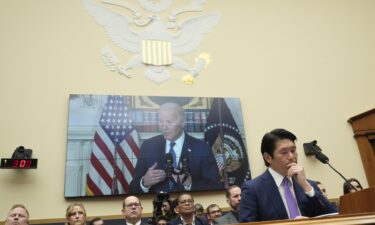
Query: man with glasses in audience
(186, 212)
(132, 211)
(75, 214)
(17, 215)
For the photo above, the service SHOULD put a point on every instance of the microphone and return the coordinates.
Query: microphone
(185, 165)
(312, 148)
(322, 158)
(169, 161)
(185, 168)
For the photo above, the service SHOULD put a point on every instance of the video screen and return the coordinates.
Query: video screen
(146, 144)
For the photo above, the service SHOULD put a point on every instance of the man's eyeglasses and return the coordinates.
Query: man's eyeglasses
(190, 201)
(134, 204)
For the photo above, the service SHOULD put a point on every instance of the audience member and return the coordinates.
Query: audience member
(174, 209)
(186, 212)
(233, 195)
(213, 212)
(161, 220)
(199, 211)
(17, 215)
(132, 211)
(167, 210)
(283, 190)
(322, 188)
(97, 221)
(355, 183)
(75, 214)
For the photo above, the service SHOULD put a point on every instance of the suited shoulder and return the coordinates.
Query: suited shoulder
(255, 182)
(152, 142)
(228, 218)
(195, 143)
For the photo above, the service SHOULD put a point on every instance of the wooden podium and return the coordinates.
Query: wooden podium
(358, 202)
(364, 133)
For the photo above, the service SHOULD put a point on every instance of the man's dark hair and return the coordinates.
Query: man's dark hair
(227, 192)
(123, 202)
(269, 141)
(181, 194)
(94, 220)
(161, 218)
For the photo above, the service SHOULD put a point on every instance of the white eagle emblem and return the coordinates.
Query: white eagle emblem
(156, 45)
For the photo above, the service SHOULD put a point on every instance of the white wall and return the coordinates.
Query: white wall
(306, 66)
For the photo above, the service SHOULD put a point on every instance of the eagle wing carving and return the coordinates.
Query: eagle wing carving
(191, 33)
(116, 26)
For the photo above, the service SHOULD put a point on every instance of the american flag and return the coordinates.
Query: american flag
(115, 150)
(222, 134)
(219, 157)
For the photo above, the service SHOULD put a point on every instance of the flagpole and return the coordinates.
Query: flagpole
(114, 179)
(222, 145)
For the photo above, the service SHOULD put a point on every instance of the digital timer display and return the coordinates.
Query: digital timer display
(19, 163)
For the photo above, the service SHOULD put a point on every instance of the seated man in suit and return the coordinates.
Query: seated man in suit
(282, 191)
(193, 166)
(185, 208)
(233, 195)
(18, 214)
(132, 211)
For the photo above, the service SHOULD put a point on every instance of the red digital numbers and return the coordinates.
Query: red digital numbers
(15, 163)
(23, 163)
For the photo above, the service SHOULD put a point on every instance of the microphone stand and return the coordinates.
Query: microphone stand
(341, 176)
(325, 160)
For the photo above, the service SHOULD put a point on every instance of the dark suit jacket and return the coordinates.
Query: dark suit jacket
(202, 164)
(143, 222)
(261, 200)
(228, 218)
(198, 221)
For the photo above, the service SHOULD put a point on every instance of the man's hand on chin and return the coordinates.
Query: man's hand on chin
(295, 170)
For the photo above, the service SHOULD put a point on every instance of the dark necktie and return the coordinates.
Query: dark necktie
(172, 183)
(173, 153)
(290, 199)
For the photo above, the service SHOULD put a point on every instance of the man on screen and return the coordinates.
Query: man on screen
(283, 191)
(191, 163)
